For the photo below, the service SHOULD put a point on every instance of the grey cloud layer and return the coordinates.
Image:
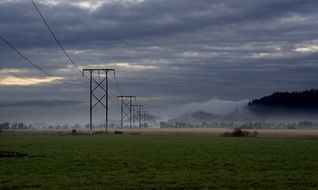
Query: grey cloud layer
(198, 49)
(48, 103)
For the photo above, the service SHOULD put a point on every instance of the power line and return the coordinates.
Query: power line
(65, 52)
(117, 85)
(110, 97)
(55, 38)
(62, 48)
(24, 57)
(29, 61)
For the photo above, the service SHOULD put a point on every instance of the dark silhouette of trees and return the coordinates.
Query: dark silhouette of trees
(20, 126)
(243, 125)
(307, 99)
(4, 126)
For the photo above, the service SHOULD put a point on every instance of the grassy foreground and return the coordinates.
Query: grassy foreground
(156, 162)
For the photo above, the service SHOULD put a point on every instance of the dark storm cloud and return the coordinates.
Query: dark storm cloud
(121, 20)
(168, 52)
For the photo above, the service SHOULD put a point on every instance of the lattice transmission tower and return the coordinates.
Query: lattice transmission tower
(126, 109)
(100, 84)
(137, 111)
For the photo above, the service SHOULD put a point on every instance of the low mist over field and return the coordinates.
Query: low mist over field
(278, 110)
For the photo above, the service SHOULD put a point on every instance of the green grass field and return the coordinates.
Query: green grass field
(156, 162)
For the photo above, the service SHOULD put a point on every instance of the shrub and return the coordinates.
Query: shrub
(240, 133)
(254, 134)
(74, 131)
(118, 132)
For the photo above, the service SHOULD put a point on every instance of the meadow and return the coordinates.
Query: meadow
(64, 161)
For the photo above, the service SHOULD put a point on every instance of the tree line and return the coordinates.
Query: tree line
(245, 125)
(7, 125)
(307, 99)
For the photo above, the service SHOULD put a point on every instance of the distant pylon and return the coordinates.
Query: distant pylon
(136, 109)
(126, 109)
(104, 88)
(144, 115)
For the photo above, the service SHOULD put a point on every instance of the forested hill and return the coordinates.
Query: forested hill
(291, 100)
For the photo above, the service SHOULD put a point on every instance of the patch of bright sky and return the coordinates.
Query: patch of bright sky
(127, 66)
(89, 5)
(16, 81)
(135, 66)
(307, 48)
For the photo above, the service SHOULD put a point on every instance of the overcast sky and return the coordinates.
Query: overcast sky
(169, 53)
